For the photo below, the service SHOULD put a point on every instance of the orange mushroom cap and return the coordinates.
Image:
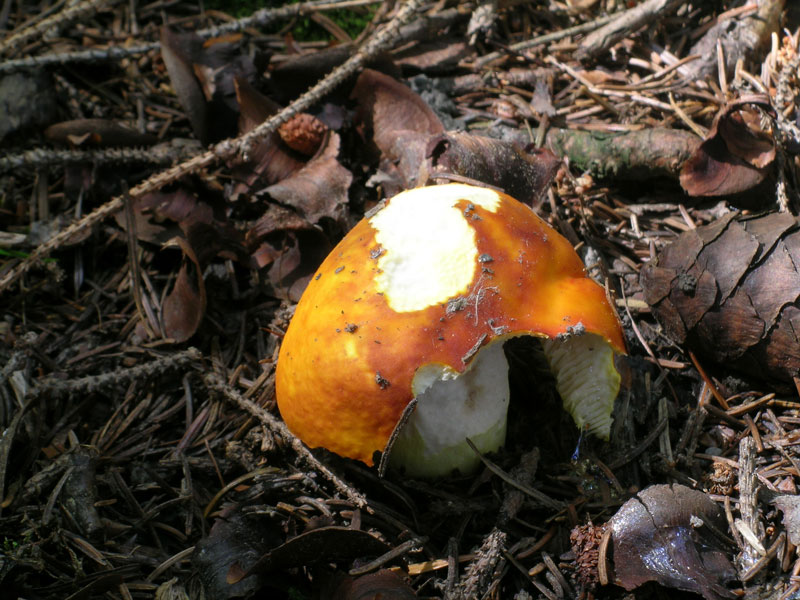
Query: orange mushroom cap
(430, 278)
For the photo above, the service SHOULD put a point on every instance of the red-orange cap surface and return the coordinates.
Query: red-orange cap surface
(433, 276)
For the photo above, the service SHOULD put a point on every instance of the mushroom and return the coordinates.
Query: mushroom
(405, 321)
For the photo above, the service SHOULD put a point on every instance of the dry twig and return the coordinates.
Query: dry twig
(68, 15)
(278, 427)
(629, 21)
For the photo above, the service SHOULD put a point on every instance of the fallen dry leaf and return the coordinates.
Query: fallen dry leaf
(297, 258)
(386, 107)
(523, 174)
(181, 219)
(323, 544)
(276, 218)
(735, 157)
(271, 160)
(217, 63)
(414, 146)
(160, 216)
(319, 189)
(176, 51)
(398, 123)
(382, 585)
(202, 73)
(233, 545)
(185, 305)
(291, 248)
(660, 535)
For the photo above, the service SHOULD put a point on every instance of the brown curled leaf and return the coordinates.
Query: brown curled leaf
(222, 558)
(523, 174)
(183, 309)
(217, 62)
(387, 106)
(177, 51)
(413, 144)
(295, 259)
(185, 306)
(160, 215)
(667, 534)
(398, 122)
(276, 218)
(202, 73)
(730, 292)
(736, 156)
(319, 189)
(271, 160)
(323, 544)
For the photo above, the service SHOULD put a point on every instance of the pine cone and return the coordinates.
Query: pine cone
(730, 292)
(303, 133)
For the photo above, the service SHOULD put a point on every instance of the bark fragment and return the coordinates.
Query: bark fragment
(631, 155)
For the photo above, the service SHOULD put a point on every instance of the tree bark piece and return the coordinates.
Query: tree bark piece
(750, 521)
(631, 20)
(632, 155)
(740, 36)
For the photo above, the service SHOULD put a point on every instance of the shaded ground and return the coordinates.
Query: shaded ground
(142, 452)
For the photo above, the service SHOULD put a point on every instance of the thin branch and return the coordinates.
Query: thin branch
(545, 39)
(58, 388)
(70, 14)
(279, 428)
(162, 154)
(627, 22)
(259, 18)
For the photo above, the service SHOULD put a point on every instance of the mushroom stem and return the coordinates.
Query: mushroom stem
(452, 407)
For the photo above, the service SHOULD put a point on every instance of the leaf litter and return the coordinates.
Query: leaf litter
(137, 396)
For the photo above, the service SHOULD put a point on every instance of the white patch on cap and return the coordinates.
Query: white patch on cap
(429, 245)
